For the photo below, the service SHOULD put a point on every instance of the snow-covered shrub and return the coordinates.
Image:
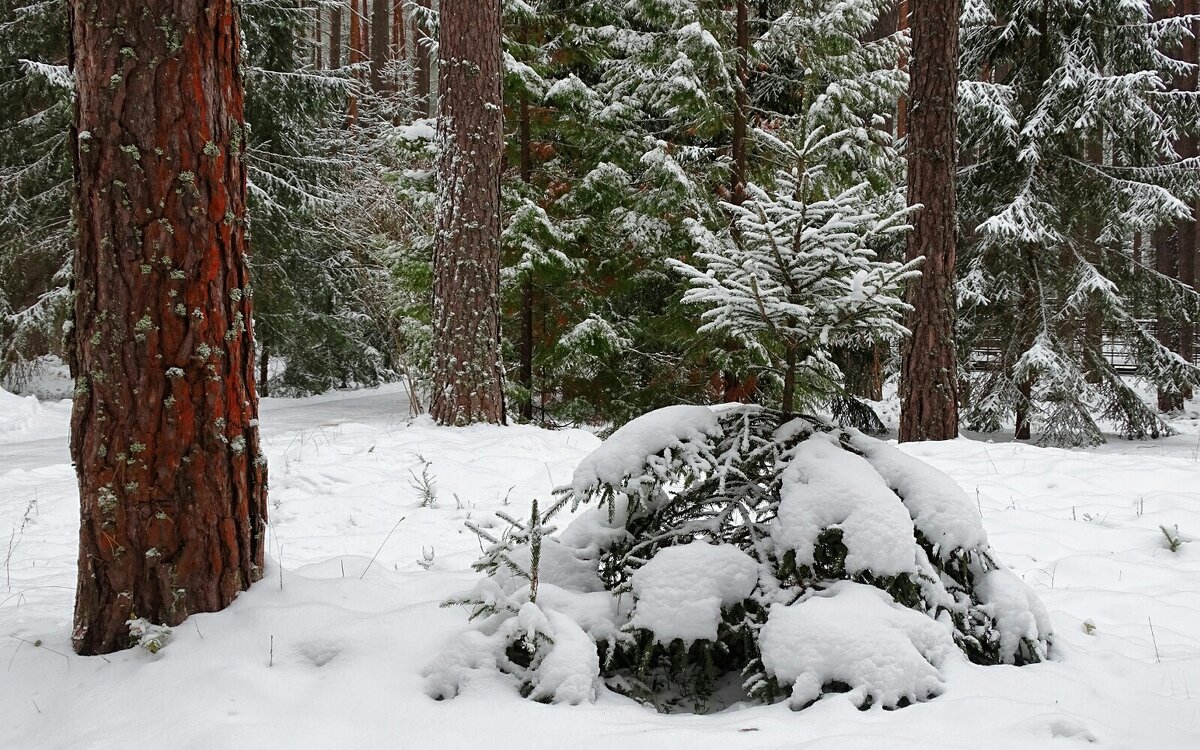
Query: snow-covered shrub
(732, 553)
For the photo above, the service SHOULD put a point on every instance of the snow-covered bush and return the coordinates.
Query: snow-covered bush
(149, 636)
(732, 553)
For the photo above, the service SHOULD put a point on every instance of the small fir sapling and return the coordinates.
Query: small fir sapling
(726, 555)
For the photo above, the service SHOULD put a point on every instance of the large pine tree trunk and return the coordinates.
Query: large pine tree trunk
(929, 376)
(466, 256)
(164, 430)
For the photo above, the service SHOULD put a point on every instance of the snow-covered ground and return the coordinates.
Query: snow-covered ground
(327, 651)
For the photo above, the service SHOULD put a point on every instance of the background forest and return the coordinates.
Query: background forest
(659, 153)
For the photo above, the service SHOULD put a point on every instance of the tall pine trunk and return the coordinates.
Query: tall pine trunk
(929, 372)
(466, 258)
(164, 430)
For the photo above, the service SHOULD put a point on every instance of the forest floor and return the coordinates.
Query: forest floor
(327, 651)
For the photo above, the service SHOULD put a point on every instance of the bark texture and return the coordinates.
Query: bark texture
(929, 374)
(466, 256)
(164, 430)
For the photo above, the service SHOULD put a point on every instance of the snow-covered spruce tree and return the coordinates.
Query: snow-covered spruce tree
(798, 273)
(624, 131)
(35, 185)
(735, 553)
(1066, 130)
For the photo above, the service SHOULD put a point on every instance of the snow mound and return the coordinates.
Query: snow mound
(681, 590)
(1019, 615)
(857, 636)
(939, 508)
(560, 662)
(568, 670)
(626, 451)
(25, 417)
(826, 486)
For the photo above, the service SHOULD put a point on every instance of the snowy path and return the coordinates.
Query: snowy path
(314, 657)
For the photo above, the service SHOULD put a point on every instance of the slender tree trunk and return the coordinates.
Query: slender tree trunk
(467, 381)
(1023, 430)
(318, 40)
(335, 37)
(355, 53)
(381, 12)
(789, 381)
(1166, 242)
(163, 431)
(423, 65)
(527, 287)
(929, 371)
(399, 40)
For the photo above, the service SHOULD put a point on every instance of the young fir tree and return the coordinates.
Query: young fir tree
(736, 554)
(797, 274)
(1067, 128)
(595, 331)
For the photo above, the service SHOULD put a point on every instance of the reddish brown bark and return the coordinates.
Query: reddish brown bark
(164, 429)
(466, 257)
(929, 373)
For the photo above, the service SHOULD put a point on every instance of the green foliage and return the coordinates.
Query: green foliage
(35, 184)
(1071, 167)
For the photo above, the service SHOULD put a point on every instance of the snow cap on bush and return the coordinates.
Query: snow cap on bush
(735, 545)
